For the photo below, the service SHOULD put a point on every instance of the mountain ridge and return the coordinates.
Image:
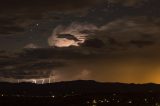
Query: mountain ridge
(78, 87)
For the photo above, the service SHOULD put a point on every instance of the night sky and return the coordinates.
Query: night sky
(102, 40)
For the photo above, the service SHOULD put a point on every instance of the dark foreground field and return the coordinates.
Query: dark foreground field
(79, 93)
(85, 100)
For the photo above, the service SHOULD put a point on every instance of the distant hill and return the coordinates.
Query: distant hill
(75, 87)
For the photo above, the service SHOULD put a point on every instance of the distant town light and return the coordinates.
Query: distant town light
(130, 102)
(94, 101)
(157, 104)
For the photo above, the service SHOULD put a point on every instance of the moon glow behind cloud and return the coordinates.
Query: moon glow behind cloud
(74, 29)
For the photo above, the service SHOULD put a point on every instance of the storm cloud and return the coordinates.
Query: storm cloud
(103, 40)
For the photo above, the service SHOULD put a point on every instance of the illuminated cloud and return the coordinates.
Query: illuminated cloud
(83, 75)
(75, 29)
(31, 46)
(118, 33)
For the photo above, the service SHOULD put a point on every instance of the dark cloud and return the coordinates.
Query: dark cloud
(72, 63)
(122, 34)
(8, 26)
(112, 41)
(130, 2)
(95, 43)
(11, 29)
(142, 43)
(28, 66)
(17, 15)
(68, 36)
(56, 3)
(38, 63)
